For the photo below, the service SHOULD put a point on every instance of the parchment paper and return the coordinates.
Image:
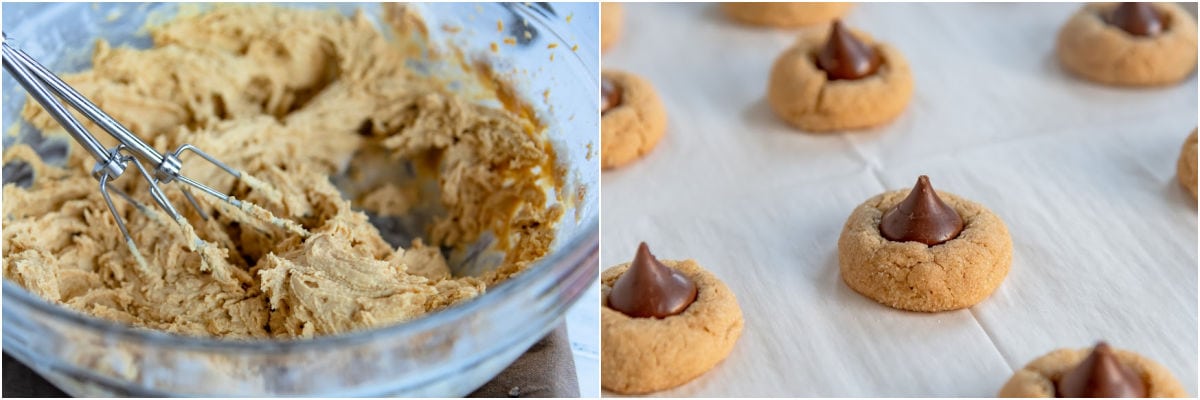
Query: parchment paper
(1083, 175)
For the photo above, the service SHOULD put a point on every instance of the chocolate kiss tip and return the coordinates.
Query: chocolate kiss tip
(838, 27)
(643, 259)
(1101, 374)
(921, 217)
(643, 251)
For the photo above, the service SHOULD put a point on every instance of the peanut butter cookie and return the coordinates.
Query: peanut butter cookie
(663, 324)
(632, 118)
(785, 15)
(1186, 167)
(1098, 372)
(1129, 44)
(611, 20)
(839, 80)
(908, 249)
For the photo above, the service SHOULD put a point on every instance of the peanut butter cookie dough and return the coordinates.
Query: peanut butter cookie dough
(632, 118)
(663, 323)
(1129, 44)
(908, 249)
(1185, 168)
(290, 97)
(839, 80)
(1093, 372)
(612, 18)
(785, 15)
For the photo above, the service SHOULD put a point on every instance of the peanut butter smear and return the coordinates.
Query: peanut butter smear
(290, 97)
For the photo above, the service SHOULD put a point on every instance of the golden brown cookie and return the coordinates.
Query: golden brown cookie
(611, 19)
(643, 355)
(1041, 377)
(1186, 167)
(914, 276)
(801, 93)
(1091, 47)
(635, 121)
(785, 15)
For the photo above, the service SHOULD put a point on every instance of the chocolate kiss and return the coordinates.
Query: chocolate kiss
(921, 217)
(846, 57)
(1101, 374)
(610, 95)
(650, 289)
(1139, 19)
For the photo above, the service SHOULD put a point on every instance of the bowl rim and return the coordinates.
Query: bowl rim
(575, 253)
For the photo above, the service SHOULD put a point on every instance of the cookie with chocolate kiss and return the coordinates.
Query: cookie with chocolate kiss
(632, 118)
(923, 250)
(1100, 371)
(663, 323)
(1129, 44)
(839, 79)
(1101, 374)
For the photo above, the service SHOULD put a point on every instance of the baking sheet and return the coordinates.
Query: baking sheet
(1104, 239)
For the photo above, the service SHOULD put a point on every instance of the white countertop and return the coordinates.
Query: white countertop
(1083, 175)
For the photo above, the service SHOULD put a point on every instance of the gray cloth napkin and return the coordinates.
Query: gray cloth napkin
(546, 370)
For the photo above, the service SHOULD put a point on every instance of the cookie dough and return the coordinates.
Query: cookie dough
(612, 18)
(800, 93)
(291, 97)
(1185, 168)
(643, 355)
(634, 123)
(914, 276)
(785, 15)
(1041, 377)
(1092, 48)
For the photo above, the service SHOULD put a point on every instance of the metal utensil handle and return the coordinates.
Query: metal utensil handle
(14, 65)
(89, 109)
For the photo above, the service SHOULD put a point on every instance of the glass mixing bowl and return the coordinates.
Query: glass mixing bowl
(447, 353)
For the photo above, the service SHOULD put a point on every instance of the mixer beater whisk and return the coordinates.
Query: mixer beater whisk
(111, 163)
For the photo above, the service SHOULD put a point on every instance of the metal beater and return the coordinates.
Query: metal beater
(111, 163)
